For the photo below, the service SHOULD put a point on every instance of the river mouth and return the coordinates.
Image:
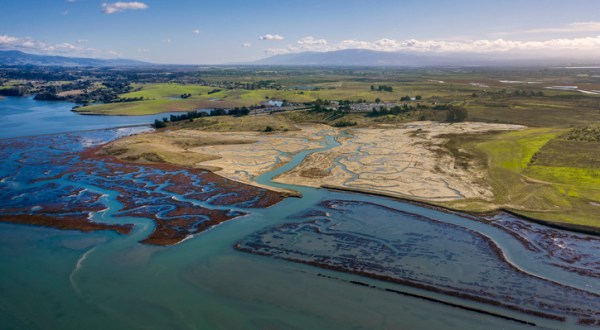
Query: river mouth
(105, 279)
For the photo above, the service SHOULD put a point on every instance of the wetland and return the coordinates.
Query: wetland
(216, 223)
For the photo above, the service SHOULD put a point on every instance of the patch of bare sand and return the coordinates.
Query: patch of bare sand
(269, 151)
(404, 161)
(240, 156)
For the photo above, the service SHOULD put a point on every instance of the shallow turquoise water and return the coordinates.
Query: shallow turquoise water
(66, 279)
(24, 116)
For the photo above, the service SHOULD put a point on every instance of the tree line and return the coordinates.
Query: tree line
(190, 116)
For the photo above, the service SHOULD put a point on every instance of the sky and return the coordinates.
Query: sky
(236, 31)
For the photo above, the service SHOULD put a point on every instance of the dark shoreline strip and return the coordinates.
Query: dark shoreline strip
(413, 295)
(581, 229)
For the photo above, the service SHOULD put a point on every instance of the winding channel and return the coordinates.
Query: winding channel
(515, 256)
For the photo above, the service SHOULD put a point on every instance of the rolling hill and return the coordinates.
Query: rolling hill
(15, 57)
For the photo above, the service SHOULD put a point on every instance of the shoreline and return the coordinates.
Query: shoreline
(81, 131)
(582, 229)
(75, 110)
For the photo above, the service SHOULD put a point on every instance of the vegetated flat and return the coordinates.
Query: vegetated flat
(538, 174)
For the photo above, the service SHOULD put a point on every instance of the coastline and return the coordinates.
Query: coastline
(583, 229)
(91, 113)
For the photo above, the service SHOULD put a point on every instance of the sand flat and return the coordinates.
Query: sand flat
(406, 160)
(244, 162)
(403, 161)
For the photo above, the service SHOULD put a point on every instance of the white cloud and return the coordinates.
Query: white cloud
(573, 27)
(585, 44)
(143, 50)
(116, 7)
(82, 41)
(310, 40)
(246, 45)
(271, 37)
(30, 45)
(4, 39)
(195, 31)
(166, 41)
(64, 12)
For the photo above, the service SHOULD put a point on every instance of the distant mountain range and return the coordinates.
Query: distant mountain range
(348, 57)
(15, 57)
(361, 57)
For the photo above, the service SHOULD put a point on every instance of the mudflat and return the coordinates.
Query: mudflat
(406, 160)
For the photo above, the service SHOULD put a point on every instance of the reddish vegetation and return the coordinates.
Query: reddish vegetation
(76, 222)
(184, 218)
(164, 193)
(165, 232)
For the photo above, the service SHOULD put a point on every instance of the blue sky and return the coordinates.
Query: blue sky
(224, 31)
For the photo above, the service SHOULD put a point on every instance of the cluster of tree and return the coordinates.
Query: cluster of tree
(159, 124)
(28, 72)
(442, 106)
(185, 96)
(456, 115)
(186, 116)
(190, 116)
(108, 93)
(329, 102)
(382, 88)
(119, 85)
(320, 108)
(408, 98)
(49, 97)
(504, 93)
(14, 91)
(384, 111)
(128, 99)
(260, 84)
(519, 92)
(237, 112)
(216, 90)
(320, 105)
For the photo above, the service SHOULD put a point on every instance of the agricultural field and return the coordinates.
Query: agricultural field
(512, 97)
